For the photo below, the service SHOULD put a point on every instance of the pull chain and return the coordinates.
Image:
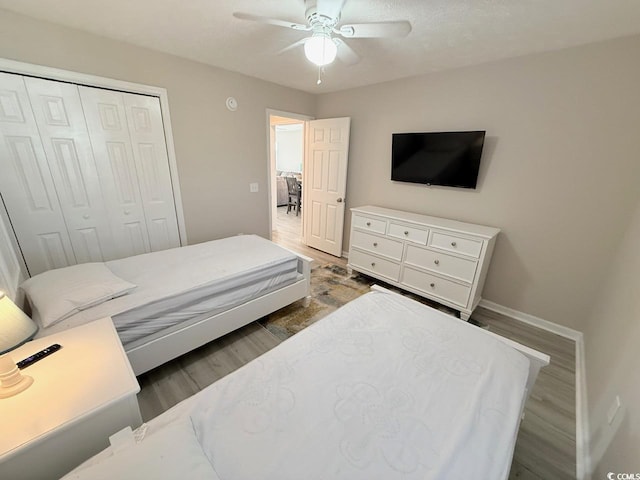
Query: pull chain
(319, 77)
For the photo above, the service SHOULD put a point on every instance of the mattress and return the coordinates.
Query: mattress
(182, 285)
(383, 388)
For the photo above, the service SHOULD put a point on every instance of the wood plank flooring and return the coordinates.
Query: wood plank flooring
(546, 445)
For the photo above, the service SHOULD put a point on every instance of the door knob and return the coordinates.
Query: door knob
(127, 212)
(85, 216)
(339, 200)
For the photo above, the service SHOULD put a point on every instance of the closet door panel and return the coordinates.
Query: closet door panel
(144, 119)
(60, 119)
(26, 184)
(109, 135)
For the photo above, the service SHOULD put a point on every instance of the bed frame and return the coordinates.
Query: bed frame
(171, 343)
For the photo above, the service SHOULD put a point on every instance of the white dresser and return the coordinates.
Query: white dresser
(444, 260)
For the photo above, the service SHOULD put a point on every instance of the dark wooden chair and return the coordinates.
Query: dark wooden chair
(295, 195)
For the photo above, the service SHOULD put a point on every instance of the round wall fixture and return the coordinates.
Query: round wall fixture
(232, 104)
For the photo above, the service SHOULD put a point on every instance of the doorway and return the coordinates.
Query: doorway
(287, 150)
(321, 172)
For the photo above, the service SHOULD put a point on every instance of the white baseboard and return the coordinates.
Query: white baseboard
(583, 460)
(532, 320)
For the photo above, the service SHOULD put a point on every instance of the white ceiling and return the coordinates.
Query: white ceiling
(446, 33)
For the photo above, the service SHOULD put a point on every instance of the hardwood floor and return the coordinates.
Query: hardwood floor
(546, 445)
(288, 233)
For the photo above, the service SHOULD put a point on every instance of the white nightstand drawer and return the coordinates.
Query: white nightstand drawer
(412, 234)
(371, 224)
(436, 286)
(381, 246)
(452, 243)
(377, 265)
(460, 268)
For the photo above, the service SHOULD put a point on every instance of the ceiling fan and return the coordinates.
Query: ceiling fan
(325, 42)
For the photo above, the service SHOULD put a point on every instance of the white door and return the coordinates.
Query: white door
(27, 187)
(107, 124)
(325, 183)
(60, 119)
(152, 166)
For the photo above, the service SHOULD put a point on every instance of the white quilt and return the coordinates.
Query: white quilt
(384, 388)
(180, 283)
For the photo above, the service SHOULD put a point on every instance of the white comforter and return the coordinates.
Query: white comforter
(384, 388)
(170, 282)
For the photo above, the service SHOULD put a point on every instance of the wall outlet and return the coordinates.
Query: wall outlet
(613, 409)
(253, 187)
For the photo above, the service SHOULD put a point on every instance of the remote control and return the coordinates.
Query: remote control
(38, 356)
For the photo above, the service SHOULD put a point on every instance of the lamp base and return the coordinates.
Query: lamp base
(12, 381)
(24, 383)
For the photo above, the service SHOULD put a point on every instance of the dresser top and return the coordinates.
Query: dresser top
(442, 223)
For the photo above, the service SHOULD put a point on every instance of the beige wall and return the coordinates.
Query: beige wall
(559, 173)
(612, 334)
(218, 152)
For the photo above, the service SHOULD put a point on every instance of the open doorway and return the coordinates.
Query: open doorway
(287, 150)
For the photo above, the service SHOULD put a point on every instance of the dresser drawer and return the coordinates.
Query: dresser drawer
(371, 224)
(452, 243)
(385, 268)
(436, 286)
(412, 234)
(460, 268)
(381, 246)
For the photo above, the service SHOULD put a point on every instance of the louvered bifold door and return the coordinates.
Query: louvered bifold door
(61, 122)
(26, 183)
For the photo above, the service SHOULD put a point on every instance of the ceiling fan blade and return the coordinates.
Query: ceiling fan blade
(345, 53)
(330, 8)
(271, 21)
(292, 46)
(373, 30)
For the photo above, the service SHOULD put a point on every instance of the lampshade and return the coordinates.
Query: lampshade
(320, 49)
(15, 329)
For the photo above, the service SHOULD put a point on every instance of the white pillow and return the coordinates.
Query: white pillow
(57, 294)
(171, 453)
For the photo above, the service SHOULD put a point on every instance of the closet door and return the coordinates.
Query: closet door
(60, 119)
(109, 133)
(146, 130)
(26, 184)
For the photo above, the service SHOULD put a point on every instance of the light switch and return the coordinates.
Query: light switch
(253, 187)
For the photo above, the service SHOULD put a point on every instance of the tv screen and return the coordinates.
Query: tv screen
(444, 158)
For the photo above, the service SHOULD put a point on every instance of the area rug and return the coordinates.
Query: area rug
(331, 287)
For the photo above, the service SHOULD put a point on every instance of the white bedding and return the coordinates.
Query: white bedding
(384, 388)
(185, 283)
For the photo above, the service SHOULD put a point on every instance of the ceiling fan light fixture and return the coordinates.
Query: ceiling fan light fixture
(320, 49)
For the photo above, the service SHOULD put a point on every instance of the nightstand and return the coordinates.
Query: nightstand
(81, 395)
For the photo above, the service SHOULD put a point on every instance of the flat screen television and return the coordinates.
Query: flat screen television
(437, 158)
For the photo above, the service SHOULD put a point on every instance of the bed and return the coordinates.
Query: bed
(164, 304)
(383, 388)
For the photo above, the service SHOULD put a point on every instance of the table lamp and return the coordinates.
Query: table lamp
(15, 329)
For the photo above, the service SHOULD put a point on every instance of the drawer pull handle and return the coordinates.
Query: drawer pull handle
(453, 244)
(368, 224)
(406, 232)
(437, 262)
(373, 264)
(432, 285)
(86, 216)
(375, 244)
